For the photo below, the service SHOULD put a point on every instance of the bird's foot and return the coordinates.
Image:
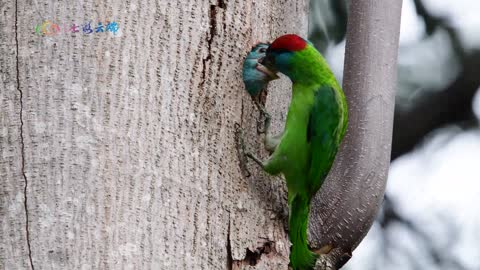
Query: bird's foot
(263, 123)
(323, 250)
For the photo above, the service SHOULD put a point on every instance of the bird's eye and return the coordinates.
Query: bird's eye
(262, 50)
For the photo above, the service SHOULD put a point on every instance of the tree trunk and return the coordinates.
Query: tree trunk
(118, 150)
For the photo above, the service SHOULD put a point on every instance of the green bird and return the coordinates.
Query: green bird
(315, 126)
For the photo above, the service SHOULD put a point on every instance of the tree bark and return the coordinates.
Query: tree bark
(347, 204)
(118, 151)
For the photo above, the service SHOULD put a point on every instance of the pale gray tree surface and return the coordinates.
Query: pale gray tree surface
(118, 151)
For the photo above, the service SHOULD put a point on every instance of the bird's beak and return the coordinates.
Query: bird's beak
(260, 67)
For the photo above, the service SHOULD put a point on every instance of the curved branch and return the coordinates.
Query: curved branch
(347, 204)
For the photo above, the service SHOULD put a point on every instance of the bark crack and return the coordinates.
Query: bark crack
(22, 143)
(229, 247)
(241, 114)
(212, 25)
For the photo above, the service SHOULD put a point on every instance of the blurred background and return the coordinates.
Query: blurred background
(430, 217)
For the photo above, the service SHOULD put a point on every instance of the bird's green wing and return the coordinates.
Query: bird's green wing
(322, 133)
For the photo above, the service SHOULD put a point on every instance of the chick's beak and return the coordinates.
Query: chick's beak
(262, 67)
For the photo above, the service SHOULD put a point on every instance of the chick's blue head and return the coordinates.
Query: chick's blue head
(254, 77)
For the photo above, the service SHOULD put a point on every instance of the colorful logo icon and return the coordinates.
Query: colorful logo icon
(48, 28)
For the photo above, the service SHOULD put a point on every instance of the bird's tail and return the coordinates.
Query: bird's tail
(301, 258)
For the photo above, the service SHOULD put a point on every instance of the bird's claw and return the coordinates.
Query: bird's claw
(263, 123)
(261, 126)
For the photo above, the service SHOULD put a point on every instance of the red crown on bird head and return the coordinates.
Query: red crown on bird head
(290, 42)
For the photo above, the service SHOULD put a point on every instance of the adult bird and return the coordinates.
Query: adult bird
(315, 126)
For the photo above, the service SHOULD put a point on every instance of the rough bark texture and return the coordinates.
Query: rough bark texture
(348, 202)
(14, 250)
(118, 152)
